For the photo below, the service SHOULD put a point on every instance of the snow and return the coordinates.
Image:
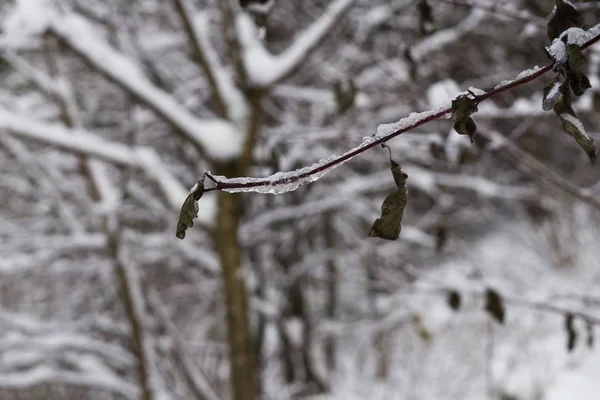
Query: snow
(413, 119)
(575, 122)
(45, 374)
(442, 92)
(26, 19)
(558, 49)
(580, 382)
(522, 75)
(442, 38)
(265, 69)
(550, 99)
(82, 142)
(169, 185)
(225, 86)
(219, 138)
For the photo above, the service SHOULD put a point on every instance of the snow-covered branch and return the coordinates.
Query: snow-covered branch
(84, 143)
(218, 138)
(227, 94)
(500, 9)
(265, 69)
(93, 378)
(533, 166)
(444, 37)
(196, 378)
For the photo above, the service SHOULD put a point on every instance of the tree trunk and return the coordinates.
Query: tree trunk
(244, 374)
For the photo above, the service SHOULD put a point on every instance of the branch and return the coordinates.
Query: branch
(217, 138)
(527, 162)
(92, 379)
(229, 99)
(195, 377)
(444, 37)
(85, 143)
(499, 9)
(265, 69)
(282, 182)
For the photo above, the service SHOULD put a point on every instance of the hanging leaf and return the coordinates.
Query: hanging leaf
(571, 333)
(494, 305)
(462, 109)
(571, 124)
(388, 226)
(564, 16)
(189, 209)
(453, 300)
(589, 327)
(577, 70)
(345, 94)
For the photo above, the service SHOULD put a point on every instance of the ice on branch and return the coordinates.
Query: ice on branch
(283, 182)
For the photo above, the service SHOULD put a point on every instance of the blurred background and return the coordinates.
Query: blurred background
(110, 111)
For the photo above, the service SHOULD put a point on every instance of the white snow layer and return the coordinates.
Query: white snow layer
(265, 69)
(26, 19)
(220, 139)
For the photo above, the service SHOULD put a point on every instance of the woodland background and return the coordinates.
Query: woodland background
(111, 110)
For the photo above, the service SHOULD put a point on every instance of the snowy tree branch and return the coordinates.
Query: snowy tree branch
(217, 138)
(265, 69)
(532, 166)
(230, 101)
(196, 378)
(500, 9)
(84, 143)
(89, 379)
